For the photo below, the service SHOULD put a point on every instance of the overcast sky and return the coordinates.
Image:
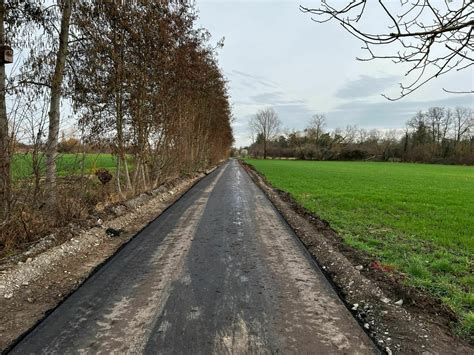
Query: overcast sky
(274, 55)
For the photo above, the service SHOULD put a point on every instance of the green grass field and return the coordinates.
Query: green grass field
(417, 218)
(67, 164)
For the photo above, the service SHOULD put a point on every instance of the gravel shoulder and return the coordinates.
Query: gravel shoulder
(37, 281)
(399, 319)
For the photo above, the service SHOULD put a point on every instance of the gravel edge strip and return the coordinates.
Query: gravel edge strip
(35, 267)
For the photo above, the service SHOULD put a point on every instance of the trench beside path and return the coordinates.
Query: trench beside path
(218, 272)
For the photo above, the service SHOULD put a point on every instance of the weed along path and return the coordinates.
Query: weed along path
(218, 272)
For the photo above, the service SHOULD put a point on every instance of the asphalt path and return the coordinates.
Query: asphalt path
(218, 272)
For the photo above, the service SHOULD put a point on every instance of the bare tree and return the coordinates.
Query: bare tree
(266, 125)
(5, 177)
(362, 135)
(389, 140)
(56, 84)
(317, 124)
(432, 37)
(446, 123)
(346, 135)
(463, 122)
(14, 31)
(434, 118)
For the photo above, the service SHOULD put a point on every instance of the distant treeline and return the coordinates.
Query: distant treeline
(437, 135)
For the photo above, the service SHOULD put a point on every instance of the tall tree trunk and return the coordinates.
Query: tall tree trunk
(5, 158)
(121, 162)
(120, 145)
(117, 178)
(144, 174)
(122, 156)
(127, 174)
(36, 161)
(136, 174)
(54, 119)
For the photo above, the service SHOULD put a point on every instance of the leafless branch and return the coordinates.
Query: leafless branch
(433, 39)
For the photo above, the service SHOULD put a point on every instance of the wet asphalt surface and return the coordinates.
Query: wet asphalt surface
(218, 272)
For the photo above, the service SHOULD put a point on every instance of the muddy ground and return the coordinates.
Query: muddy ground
(399, 318)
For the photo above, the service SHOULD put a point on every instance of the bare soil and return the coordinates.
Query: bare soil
(399, 318)
(35, 282)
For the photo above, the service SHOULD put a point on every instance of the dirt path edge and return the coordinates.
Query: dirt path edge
(386, 309)
(31, 290)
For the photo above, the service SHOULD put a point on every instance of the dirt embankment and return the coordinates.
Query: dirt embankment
(35, 282)
(400, 319)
